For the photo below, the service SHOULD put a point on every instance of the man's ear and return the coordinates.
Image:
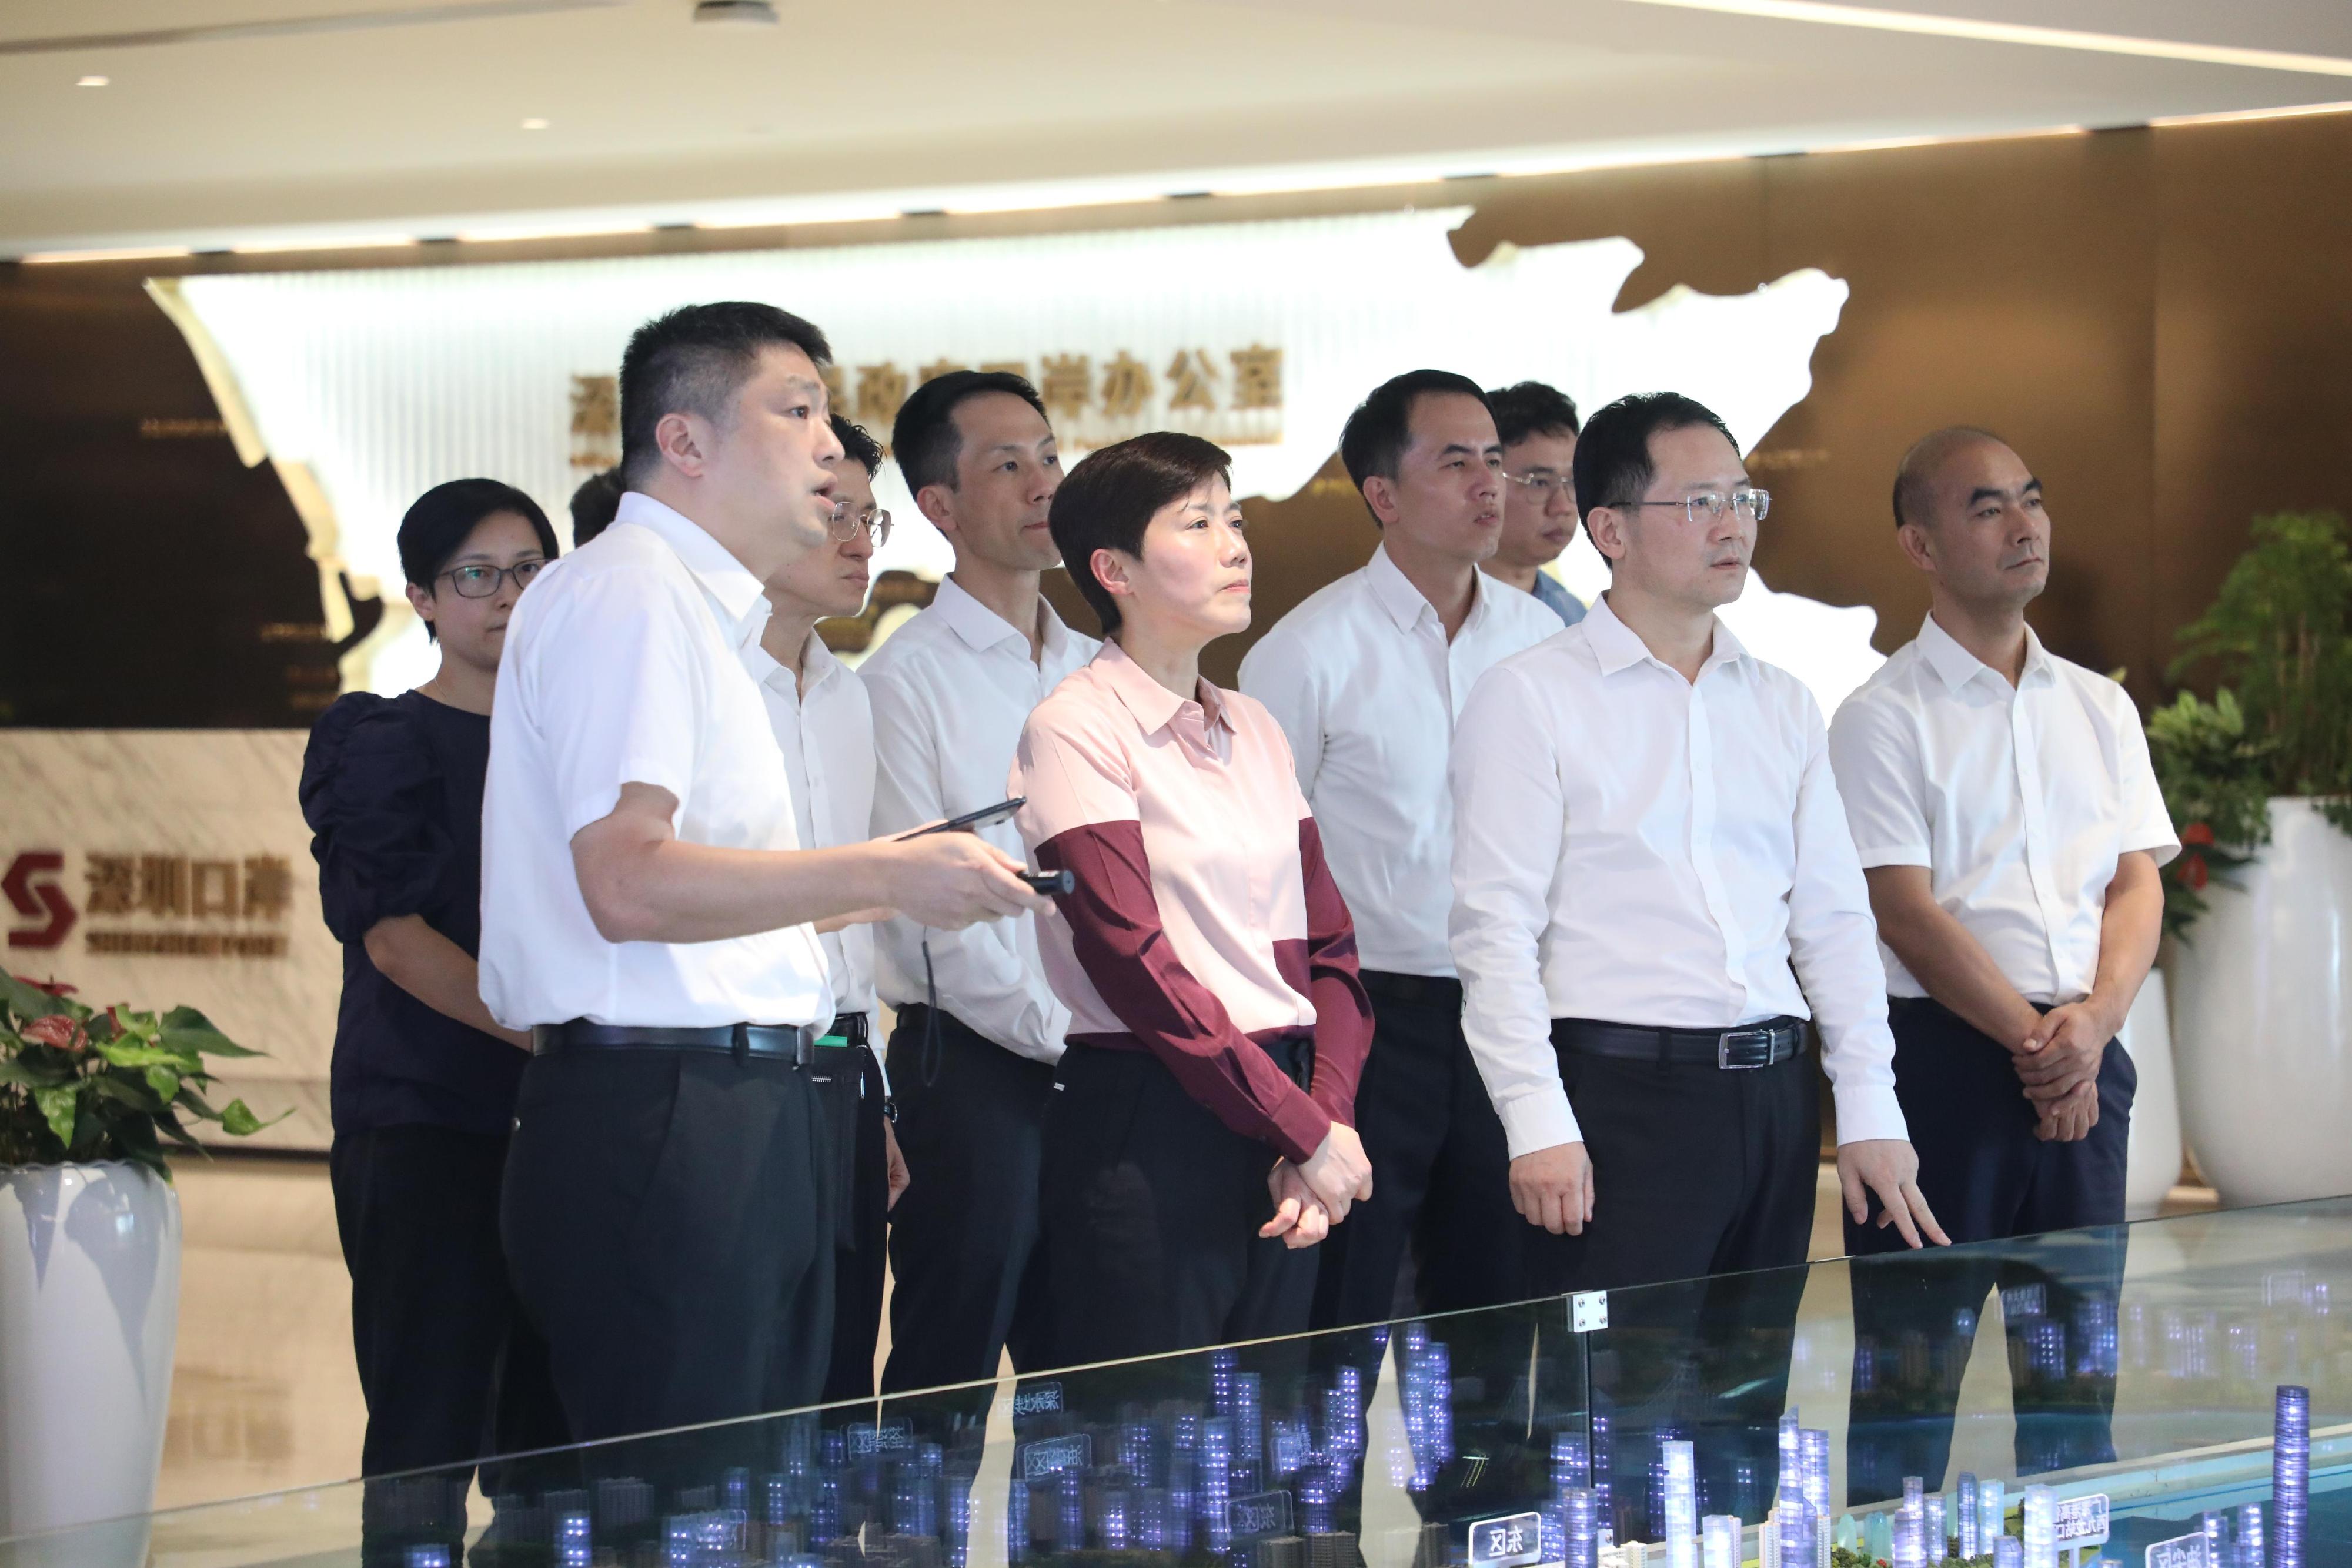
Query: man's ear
(1919, 545)
(1379, 493)
(1606, 526)
(684, 441)
(937, 504)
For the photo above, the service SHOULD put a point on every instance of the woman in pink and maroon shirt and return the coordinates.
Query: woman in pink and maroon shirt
(1201, 1141)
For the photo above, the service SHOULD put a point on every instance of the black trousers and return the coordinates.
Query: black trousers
(1696, 1172)
(967, 1272)
(668, 1219)
(450, 1370)
(1441, 1171)
(1989, 1179)
(1151, 1212)
(862, 1226)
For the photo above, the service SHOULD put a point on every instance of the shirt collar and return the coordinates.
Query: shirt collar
(741, 600)
(1958, 666)
(1404, 602)
(1155, 707)
(1618, 646)
(983, 628)
(815, 658)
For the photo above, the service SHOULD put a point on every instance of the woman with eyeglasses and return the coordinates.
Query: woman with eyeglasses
(423, 1081)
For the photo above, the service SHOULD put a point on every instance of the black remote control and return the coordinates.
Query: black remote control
(1051, 882)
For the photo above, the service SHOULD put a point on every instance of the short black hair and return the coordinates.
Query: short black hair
(924, 436)
(1532, 408)
(1915, 475)
(594, 503)
(694, 360)
(1108, 499)
(436, 525)
(1375, 436)
(863, 449)
(1613, 454)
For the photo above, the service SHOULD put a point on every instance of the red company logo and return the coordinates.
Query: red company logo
(41, 900)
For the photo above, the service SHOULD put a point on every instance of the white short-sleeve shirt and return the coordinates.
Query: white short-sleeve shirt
(624, 663)
(2019, 801)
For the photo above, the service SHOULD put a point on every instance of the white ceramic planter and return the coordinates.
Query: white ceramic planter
(2262, 992)
(89, 1303)
(2155, 1154)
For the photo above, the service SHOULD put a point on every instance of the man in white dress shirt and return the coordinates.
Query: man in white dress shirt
(648, 914)
(825, 727)
(972, 1072)
(2010, 826)
(1654, 890)
(1366, 678)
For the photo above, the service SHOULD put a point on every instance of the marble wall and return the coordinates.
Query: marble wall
(168, 867)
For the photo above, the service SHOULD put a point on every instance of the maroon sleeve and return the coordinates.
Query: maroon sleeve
(1343, 1013)
(1115, 935)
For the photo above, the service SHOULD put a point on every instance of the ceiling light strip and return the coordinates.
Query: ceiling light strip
(1827, 13)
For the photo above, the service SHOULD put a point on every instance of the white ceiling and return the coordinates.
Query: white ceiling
(396, 118)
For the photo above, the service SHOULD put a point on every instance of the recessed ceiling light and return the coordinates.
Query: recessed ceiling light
(534, 123)
(735, 12)
(91, 81)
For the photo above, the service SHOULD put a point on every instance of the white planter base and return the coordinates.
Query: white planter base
(2154, 1156)
(90, 1303)
(2262, 1014)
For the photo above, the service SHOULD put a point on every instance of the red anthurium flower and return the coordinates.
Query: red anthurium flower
(54, 988)
(56, 1031)
(2192, 871)
(2196, 833)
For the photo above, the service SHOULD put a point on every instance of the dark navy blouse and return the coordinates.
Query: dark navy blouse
(393, 790)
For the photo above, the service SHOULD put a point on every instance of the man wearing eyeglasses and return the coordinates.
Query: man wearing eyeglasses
(825, 727)
(1537, 425)
(1654, 892)
(1366, 678)
(2010, 826)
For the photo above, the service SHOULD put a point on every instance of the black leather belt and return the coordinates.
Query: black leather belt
(1415, 990)
(790, 1043)
(849, 1030)
(1766, 1043)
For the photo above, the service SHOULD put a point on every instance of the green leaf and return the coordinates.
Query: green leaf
(188, 1029)
(167, 1120)
(164, 1081)
(35, 1070)
(126, 1089)
(30, 1002)
(58, 1106)
(240, 1123)
(137, 1056)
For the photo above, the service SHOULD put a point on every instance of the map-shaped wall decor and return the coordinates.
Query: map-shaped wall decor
(376, 385)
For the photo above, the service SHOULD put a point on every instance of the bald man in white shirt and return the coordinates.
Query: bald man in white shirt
(2011, 827)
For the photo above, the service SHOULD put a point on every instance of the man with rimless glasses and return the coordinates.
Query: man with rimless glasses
(1537, 425)
(1654, 892)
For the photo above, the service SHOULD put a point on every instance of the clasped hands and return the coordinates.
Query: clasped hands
(1309, 1199)
(2058, 1063)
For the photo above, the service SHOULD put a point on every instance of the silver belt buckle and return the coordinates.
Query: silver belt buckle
(1723, 1044)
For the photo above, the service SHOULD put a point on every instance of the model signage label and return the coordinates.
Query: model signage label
(1260, 1516)
(2181, 1552)
(2081, 1520)
(1507, 1542)
(1051, 1456)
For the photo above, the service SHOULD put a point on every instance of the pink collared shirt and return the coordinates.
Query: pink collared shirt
(1205, 922)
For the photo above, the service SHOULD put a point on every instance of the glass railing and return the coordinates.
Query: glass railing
(2133, 1370)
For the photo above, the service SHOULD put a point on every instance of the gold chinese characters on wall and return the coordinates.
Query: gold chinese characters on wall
(1234, 399)
(223, 898)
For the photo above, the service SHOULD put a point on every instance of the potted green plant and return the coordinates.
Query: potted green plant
(89, 1244)
(2259, 782)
